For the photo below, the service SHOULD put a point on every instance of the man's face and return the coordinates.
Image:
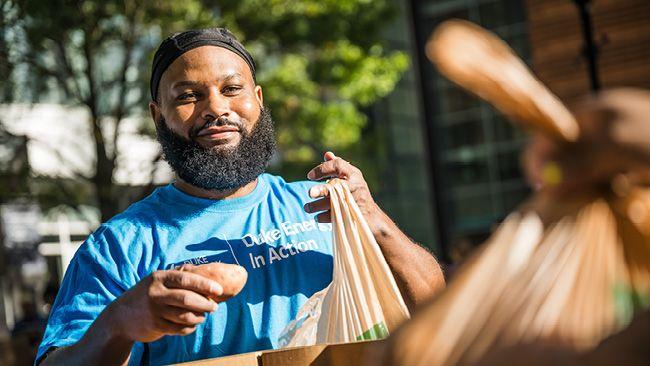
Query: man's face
(210, 120)
(208, 83)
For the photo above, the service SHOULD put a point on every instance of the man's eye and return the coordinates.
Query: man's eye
(232, 89)
(187, 96)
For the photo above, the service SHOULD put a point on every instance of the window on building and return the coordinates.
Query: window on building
(476, 149)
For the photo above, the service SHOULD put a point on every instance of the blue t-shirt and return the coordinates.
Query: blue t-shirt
(287, 254)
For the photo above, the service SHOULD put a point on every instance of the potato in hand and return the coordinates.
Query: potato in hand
(230, 276)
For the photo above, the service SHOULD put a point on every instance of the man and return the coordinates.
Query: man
(123, 300)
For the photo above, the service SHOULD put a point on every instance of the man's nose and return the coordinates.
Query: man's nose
(216, 105)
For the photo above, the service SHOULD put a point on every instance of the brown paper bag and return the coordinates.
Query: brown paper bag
(363, 301)
(572, 265)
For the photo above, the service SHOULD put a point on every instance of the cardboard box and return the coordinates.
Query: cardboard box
(342, 354)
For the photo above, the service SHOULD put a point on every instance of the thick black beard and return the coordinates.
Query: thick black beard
(219, 168)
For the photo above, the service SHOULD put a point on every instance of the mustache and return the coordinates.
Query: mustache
(218, 122)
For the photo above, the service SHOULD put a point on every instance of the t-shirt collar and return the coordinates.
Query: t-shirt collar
(176, 196)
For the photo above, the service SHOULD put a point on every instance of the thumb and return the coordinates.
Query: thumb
(329, 156)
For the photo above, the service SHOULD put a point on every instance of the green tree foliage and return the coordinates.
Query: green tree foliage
(320, 64)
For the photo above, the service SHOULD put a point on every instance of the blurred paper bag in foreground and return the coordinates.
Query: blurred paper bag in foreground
(572, 265)
(363, 301)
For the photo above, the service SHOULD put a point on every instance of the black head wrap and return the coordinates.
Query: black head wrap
(179, 43)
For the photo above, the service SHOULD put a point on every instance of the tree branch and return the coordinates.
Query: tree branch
(129, 43)
(91, 101)
(60, 79)
(68, 67)
(104, 164)
(69, 197)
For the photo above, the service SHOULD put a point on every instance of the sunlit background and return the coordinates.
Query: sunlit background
(77, 144)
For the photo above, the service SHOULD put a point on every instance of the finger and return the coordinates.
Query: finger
(182, 316)
(318, 205)
(187, 300)
(324, 217)
(329, 156)
(336, 168)
(193, 282)
(185, 267)
(319, 191)
(171, 328)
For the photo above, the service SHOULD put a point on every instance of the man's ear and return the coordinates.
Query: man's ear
(259, 95)
(154, 109)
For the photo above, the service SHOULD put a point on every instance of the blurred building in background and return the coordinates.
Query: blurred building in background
(453, 167)
(621, 34)
(454, 161)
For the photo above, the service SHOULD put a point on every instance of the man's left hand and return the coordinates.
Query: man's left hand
(416, 271)
(335, 167)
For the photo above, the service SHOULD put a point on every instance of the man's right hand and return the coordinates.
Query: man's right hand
(171, 302)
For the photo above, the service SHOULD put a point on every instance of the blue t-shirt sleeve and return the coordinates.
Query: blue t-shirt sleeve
(99, 272)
